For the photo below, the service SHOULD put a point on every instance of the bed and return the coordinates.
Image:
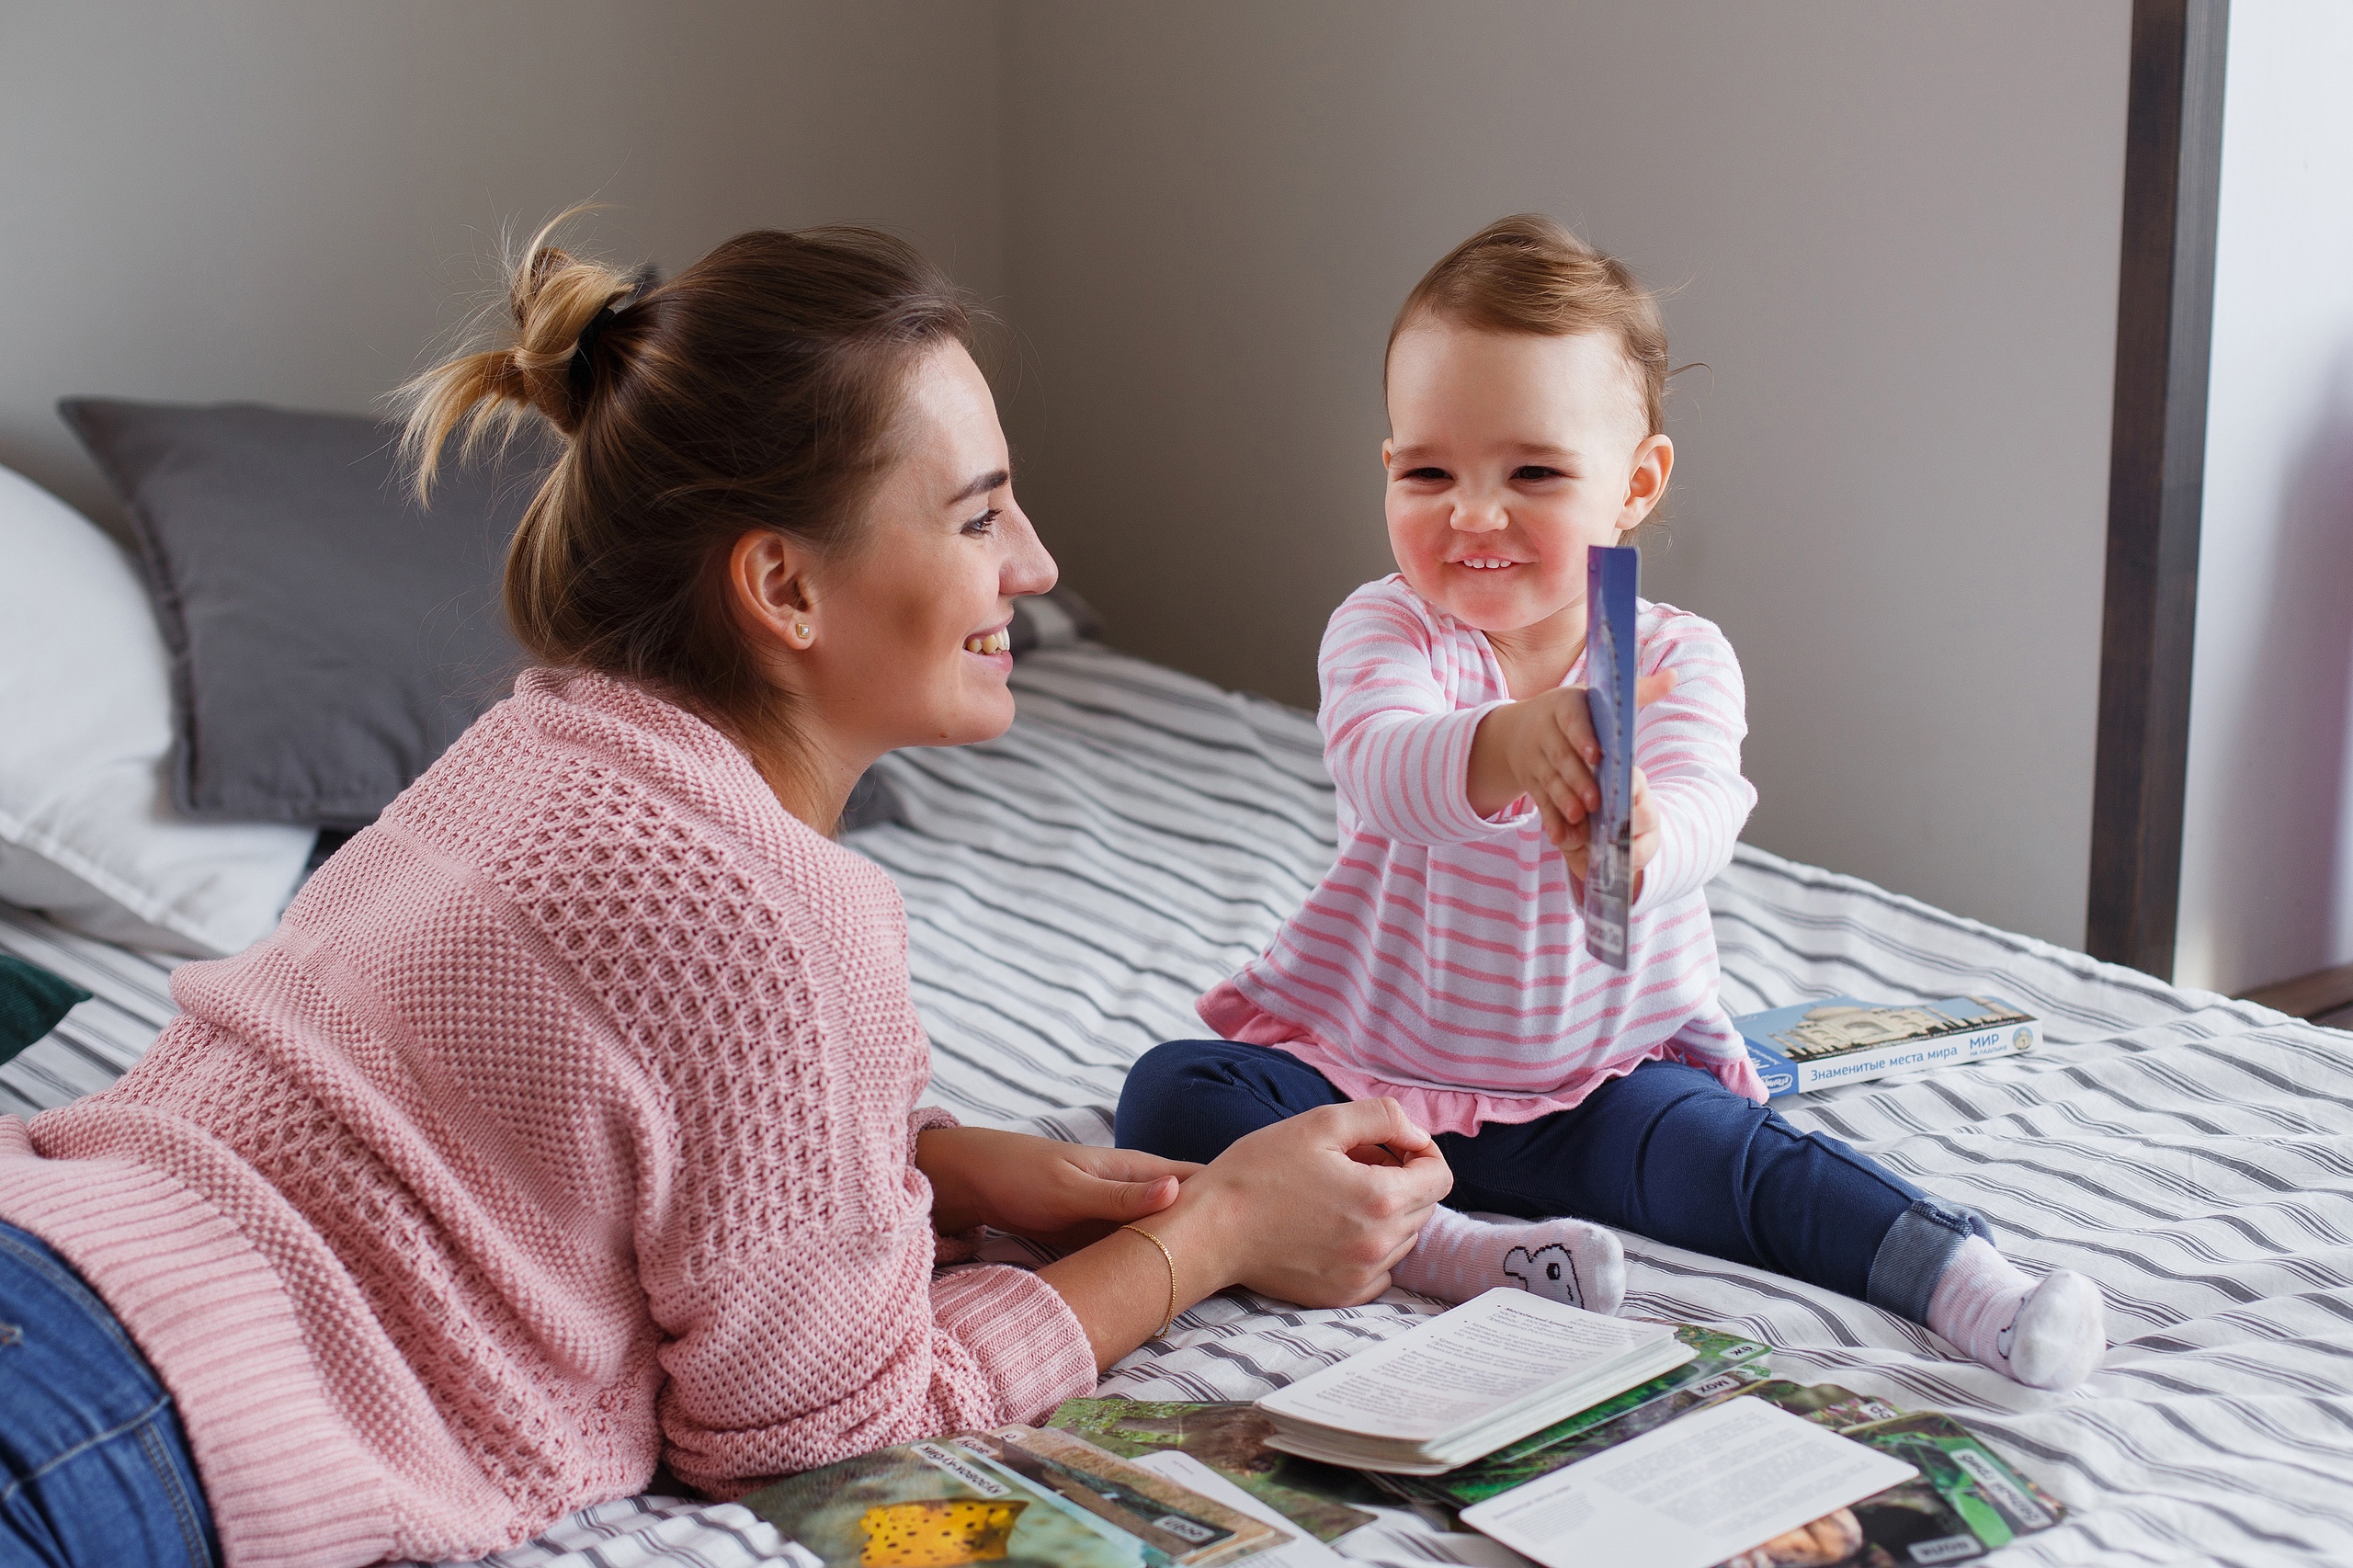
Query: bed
(1072, 887)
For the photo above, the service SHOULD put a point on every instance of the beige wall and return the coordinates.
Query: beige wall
(1892, 230)
(283, 200)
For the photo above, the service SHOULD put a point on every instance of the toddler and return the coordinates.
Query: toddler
(1441, 961)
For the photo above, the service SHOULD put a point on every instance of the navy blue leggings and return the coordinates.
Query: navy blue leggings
(1666, 1151)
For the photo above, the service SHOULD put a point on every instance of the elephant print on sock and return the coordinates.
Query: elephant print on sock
(1549, 1272)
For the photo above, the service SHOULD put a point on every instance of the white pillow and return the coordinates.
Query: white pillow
(88, 832)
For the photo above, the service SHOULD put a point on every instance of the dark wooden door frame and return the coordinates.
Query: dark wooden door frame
(2164, 313)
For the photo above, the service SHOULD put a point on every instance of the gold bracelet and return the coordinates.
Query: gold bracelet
(1170, 1258)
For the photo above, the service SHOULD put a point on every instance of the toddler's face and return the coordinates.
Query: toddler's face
(1508, 455)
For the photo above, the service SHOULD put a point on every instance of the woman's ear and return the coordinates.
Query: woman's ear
(769, 588)
(1653, 462)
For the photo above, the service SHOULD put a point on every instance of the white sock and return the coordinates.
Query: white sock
(2047, 1334)
(1564, 1260)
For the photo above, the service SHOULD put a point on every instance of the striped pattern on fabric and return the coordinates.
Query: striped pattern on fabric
(659, 1532)
(1440, 960)
(1072, 887)
(130, 1001)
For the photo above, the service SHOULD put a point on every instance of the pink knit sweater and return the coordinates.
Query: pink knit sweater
(564, 1126)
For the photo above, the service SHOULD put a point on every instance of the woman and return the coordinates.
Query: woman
(567, 1126)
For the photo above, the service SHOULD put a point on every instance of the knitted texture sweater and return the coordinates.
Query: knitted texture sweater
(566, 1125)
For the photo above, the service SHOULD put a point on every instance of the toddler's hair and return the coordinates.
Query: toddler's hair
(1528, 274)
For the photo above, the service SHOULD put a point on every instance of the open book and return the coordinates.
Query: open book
(1466, 1382)
(1230, 1437)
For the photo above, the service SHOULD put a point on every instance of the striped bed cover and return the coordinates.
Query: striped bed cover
(1072, 887)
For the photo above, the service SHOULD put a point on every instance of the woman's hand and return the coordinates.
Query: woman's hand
(1314, 1210)
(1064, 1195)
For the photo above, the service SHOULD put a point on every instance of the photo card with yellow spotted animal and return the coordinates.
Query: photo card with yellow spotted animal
(1016, 1497)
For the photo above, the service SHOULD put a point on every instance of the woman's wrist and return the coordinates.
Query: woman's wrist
(1199, 1233)
(1128, 1287)
(955, 1207)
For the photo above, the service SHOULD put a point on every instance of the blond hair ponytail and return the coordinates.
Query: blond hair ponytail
(552, 296)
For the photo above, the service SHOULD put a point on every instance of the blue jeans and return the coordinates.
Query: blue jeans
(94, 1468)
(1667, 1151)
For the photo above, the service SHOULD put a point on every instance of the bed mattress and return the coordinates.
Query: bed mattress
(1072, 887)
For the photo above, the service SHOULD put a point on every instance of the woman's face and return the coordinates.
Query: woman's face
(906, 633)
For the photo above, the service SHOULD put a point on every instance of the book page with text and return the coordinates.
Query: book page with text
(1692, 1493)
(1460, 1366)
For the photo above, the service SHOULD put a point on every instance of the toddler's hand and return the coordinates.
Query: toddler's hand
(1643, 818)
(1544, 747)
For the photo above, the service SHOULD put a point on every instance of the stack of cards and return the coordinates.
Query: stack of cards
(1612, 649)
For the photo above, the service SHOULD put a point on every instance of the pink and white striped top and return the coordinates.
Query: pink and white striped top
(1441, 961)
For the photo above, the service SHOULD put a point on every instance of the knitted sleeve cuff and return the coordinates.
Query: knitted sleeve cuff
(1023, 1337)
(923, 1119)
(962, 1246)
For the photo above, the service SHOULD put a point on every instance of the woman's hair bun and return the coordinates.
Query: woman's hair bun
(540, 366)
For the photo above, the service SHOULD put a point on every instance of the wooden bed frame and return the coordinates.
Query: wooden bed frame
(2325, 996)
(2165, 314)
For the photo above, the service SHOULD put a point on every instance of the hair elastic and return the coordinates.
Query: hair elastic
(581, 373)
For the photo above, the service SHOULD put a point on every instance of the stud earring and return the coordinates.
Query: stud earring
(801, 629)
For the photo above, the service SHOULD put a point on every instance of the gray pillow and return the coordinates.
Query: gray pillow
(329, 638)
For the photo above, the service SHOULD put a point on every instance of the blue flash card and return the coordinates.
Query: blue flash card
(1611, 649)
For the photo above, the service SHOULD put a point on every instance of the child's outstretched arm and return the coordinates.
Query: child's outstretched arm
(1691, 800)
(1398, 748)
(1418, 770)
